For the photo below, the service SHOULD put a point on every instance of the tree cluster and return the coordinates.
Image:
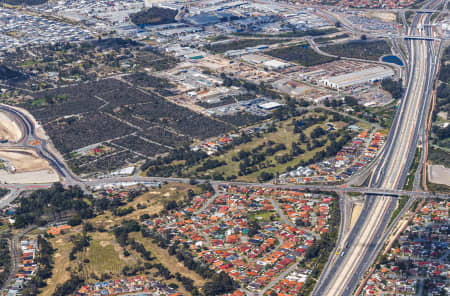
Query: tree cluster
(320, 250)
(301, 54)
(121, 232)
(69, 286)
(393, 86)
(360, 49)
(5, 260)
(46, 205)
(154, 16)
(221, 283)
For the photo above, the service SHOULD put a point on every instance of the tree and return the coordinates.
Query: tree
(317, 132)
(88, 227)
(350, 101)
(392, 86)
(154, 16)
(265, 176)
(220, 284)
(75, 220)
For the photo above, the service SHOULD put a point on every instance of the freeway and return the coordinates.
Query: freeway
(366, 238)
(390, 168)
(362, 243)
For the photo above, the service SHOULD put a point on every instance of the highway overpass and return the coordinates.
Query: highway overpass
(366, 238)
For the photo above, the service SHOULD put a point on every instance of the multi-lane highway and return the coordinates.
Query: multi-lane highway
(366, 238)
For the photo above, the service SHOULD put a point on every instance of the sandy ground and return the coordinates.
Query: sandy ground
(9, 128)
(384, 16)
(43, 176)
(39, 130)
(30, 168)
(24, 160)
(439, 174)
(357, 208)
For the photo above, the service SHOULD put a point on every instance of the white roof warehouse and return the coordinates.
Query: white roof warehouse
(367, 75)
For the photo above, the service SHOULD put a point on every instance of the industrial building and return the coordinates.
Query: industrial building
(270, 105)
(275, 65)
(369, 75)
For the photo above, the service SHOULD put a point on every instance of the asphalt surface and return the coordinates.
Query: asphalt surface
(30, 135)
(390, 171)
(367, 236)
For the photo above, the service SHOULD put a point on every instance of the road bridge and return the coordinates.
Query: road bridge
(419, 37)
(369, 232)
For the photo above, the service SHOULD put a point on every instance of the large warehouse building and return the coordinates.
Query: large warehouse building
(364, 76)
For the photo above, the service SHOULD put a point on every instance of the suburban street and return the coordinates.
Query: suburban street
(358, 245)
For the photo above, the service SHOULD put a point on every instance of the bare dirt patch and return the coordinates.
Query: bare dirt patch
(104, 243)
(10, 130)
(24, 160)
(439, 174)
(28, 167)
(356, 211)
(42, 176)
(384, 16)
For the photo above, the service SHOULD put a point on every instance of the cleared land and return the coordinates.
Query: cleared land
(356, 211)
(439, 174)
(29, 167)
(9, 128)
(24, 160)
(44, 176)
(321, 40)
(384, 16)
(241, 44)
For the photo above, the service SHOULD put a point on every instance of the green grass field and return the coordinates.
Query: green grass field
(263, 216)
(104, 258)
